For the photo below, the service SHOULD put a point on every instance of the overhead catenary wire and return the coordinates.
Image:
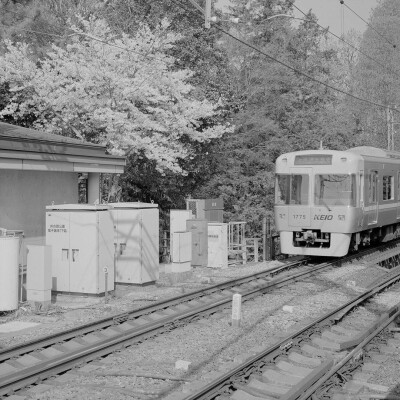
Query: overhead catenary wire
(293, 68)
(301, 72)
(341, 38)
(369, 25)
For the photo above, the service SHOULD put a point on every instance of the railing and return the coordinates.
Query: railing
(252, 249)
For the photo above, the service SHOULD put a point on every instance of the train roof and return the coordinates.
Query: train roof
(361, 152)
(374, 152)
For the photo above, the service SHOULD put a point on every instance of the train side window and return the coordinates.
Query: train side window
(387, 187)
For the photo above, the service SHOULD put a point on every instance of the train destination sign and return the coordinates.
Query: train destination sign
(313, 159)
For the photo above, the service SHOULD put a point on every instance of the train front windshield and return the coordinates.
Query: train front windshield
(335, 190)
(292, 189)
(330, 189)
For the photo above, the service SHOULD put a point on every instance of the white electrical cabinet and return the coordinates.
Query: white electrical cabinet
(217, 245)
(38, 274)
(177, 223)
(181, 252)
(9, 251)
(136, 237)
(81, 236)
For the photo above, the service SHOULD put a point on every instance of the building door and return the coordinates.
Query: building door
(199, 230)
(373, 197)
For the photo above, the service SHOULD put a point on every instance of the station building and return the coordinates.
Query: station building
(38, 169)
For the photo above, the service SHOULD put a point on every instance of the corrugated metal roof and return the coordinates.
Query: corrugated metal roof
(21, 133)
(21, 143)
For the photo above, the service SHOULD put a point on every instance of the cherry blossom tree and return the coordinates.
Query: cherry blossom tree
(112, 89)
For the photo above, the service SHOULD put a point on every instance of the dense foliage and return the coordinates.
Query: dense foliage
(198, 113)
(378, 82)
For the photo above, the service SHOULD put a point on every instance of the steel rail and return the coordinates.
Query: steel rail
(50, 340)
(214, 387)
(62, 363)
(50, 367)
(389, 317)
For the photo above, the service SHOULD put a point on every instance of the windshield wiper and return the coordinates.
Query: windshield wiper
(324, 204)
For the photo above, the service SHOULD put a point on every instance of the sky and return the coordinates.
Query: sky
(329, 13)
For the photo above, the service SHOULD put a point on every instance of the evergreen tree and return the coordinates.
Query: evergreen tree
(376, 77)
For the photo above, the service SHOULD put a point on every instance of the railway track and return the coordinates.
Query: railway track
(308, 361)
(231, 286)
(32, 362)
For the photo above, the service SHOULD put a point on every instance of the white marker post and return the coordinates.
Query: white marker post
(236, 310)
(105, 285)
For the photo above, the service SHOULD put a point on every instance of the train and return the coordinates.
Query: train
(330, 202)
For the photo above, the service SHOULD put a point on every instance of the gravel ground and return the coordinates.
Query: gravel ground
(210, 346)
(68, 312)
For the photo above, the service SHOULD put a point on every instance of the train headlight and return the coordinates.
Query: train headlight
(297, 234)
(342, 217)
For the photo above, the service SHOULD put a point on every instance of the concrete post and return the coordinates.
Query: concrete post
(93, 187)
(236, 310)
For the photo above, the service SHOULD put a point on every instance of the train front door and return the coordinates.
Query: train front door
(373, 197)
(300, 187)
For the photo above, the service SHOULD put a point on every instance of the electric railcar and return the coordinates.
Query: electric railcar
(328, 202)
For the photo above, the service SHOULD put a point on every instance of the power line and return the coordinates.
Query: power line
(349, 44)
(292, 68)
(369, 25)
(300, 72)
(96, 39)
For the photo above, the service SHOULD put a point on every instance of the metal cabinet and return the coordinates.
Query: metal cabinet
(210, 209)
(136, 238)
(9, 249)
(177, 223)
(81, 237)
(217, 245)
(199, 230)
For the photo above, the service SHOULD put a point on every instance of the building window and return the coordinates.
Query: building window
(387, 187)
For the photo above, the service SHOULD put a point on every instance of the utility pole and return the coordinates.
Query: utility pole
(342, 19)
(207, 14)
(206, 11)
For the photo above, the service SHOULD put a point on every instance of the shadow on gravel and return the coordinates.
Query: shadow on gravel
(245, 331)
